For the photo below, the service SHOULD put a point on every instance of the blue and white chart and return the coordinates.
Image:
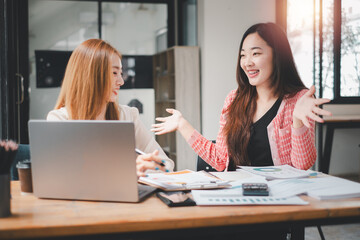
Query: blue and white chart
(277, 172)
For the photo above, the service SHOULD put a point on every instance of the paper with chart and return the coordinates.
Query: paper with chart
(234, 196)
(277, 172)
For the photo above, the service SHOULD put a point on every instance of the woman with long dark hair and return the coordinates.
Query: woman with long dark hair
(269, 119)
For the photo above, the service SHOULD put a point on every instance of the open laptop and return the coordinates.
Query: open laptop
(85, 160)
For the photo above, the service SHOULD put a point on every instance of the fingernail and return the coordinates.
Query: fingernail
(156, 168)
(146, 175)
(167, 170)
(163, 161)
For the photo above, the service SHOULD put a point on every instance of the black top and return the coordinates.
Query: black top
(259, 148)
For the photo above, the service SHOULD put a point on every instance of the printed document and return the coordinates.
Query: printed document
(277, 172)
(237, 175)
(184, 180)
(234, 196)
(323, 187)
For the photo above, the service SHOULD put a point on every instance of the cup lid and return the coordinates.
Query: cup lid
(24, 164)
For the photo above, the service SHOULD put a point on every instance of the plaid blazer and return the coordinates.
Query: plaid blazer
(288, 145)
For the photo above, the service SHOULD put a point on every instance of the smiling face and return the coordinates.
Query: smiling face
(257, 60)
(116, 77)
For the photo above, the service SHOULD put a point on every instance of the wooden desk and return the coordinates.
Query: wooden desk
(33, 217)
(331, 123)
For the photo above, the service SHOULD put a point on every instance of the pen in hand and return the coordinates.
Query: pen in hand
(138, 151)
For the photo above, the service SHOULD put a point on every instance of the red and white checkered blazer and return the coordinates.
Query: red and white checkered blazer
(292, 146)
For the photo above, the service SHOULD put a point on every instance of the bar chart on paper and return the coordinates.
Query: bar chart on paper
(234, 197)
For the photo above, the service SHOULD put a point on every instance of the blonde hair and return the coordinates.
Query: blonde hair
(87, 82)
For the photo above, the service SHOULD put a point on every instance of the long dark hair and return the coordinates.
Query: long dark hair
(284, 80)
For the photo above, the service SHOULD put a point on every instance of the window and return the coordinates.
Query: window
(350, 48)
(325, 38)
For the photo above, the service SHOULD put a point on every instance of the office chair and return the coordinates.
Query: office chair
(203, 166)
(23, 153)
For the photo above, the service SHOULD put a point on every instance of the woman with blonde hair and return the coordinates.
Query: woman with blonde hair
(89, 91)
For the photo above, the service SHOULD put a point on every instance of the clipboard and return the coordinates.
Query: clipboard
(184, 180)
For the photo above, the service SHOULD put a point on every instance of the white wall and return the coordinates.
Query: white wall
(221, 25)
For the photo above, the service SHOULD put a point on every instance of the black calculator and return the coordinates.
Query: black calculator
(255, 189)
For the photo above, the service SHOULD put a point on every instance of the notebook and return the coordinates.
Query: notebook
(85, 160)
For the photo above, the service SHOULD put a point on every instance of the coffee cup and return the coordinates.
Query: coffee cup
(24, 170)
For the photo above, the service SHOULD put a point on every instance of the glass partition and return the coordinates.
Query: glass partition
(134, 27)
(60, 26)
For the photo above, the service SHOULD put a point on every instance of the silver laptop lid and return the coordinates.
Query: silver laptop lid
(85, 160)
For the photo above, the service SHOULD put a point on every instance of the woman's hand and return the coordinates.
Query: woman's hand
(307, 107)
(173, 123)
(149, 161)
(169, 124)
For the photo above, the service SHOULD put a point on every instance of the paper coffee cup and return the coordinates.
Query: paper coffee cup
(24, 170)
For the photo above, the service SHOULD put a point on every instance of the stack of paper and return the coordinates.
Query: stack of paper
(239, 175)
(334, 188)
(234, 195)
(323, 187)
(287, 182)
(184, 180)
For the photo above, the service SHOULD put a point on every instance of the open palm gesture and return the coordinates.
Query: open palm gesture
(308, 107)
(168, 124)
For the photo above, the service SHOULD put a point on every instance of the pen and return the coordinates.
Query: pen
(210, 174)
(201, 185)
(138, 151)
